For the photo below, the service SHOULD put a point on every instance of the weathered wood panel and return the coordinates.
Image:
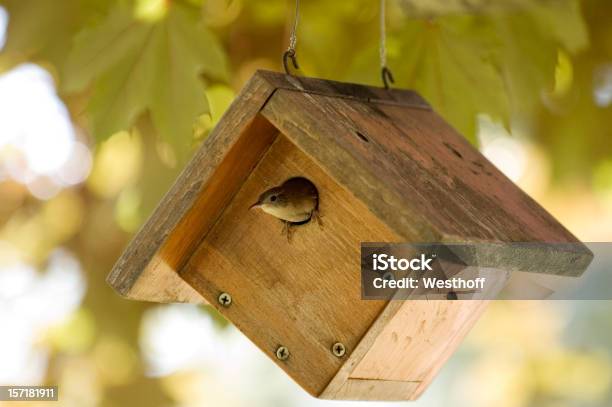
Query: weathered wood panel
(369, 94)
(417, 174)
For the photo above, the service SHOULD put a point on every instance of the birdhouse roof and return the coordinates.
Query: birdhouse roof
(388, 148)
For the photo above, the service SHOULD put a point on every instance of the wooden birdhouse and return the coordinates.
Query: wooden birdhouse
(387, 169)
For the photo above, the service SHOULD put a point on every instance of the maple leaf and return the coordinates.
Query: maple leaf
(137, 66)
(449, 62)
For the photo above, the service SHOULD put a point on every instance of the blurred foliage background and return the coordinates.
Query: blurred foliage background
(103, 101)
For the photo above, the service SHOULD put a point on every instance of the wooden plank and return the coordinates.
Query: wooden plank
(146, 270)
(418, 175)
(408, 344)
(415, 344)
(316, 86)
(405, 367)
(225, 181)
(368, 389)
(337, 388)
(305, 294)
(159, 282)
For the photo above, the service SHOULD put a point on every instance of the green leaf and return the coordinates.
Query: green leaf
(562, 21)
(526, 60)
(98, 49)
(449, 62)
(40, 30)
(180, 56)
(497, 63)
(528, 53)
(122, 93)
(138, 66)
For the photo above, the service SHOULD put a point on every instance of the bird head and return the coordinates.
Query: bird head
(271, 200)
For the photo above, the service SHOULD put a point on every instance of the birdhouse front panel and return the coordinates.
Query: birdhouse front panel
(303, 294)
(386, 168)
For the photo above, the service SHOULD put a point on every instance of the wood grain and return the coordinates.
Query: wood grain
(418, 340)
(372, 389)
(420, 177)
(342, 90)
(305, 294)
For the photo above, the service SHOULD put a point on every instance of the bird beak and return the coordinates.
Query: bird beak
(255, 205)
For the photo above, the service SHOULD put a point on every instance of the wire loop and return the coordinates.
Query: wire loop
(289, 54)
(387, 76)
(385, 72)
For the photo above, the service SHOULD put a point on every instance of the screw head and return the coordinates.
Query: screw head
(225, 299)
(338, 349)
(282, 353)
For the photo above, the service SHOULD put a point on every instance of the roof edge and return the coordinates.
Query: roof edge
(371, 94)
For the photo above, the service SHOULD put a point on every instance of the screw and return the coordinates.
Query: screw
(338, 349)
(225, 299)
(282, 353)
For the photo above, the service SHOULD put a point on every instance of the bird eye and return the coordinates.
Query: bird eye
(273, 198)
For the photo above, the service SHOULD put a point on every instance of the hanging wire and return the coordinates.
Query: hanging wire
(385, 72)
(290, 52)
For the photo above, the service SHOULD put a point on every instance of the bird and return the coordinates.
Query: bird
(294, 202)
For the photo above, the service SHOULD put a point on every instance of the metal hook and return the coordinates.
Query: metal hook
(289, 54)
(387, 76)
